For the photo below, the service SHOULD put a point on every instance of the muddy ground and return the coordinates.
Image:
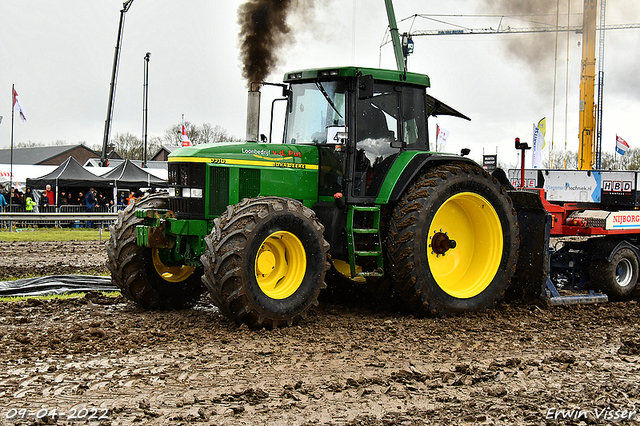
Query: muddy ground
(344, 365)
(27, 259)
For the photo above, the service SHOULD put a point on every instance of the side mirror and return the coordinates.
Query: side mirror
(365, 86)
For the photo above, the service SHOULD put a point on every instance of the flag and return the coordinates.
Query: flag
(185, 138)
(538, 143)
(621, 145)
(542, 125)
(17, 106)
(443, 134)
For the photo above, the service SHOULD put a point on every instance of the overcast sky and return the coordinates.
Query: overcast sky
(59, 55)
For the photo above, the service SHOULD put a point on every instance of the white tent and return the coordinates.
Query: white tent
(21, 172)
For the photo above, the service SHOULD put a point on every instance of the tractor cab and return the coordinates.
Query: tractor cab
(361, 120)
(370, 129)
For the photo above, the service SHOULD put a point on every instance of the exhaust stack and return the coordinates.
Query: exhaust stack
(253, 115)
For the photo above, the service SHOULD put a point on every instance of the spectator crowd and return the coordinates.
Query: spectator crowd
(67, 200)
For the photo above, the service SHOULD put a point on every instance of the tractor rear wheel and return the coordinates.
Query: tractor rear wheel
(618, 278)
(453, 241)
(265, 261)
(140, 273)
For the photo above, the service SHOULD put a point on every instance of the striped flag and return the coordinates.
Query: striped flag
(442, 135)
(621, 145)
(17, 106)
(185, 138)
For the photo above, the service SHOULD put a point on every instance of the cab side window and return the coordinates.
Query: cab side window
(377, 127)
(414, 118)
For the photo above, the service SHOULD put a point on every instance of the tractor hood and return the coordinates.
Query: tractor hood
(251, 154)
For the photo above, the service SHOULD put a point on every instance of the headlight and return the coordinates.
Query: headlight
(186, 192)
(196, 192)
(172, 192)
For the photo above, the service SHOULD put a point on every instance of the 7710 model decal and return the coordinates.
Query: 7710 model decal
(238, 162)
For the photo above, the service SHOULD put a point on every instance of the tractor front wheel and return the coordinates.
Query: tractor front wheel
(453, 241)
(140, 273)
(265, 261)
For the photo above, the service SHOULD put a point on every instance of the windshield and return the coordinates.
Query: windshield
(316, 112)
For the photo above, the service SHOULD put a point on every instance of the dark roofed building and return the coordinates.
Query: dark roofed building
(47, 155)
(163, 153)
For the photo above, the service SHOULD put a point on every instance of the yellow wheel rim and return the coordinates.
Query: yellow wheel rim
(465, 245)
(174, 274)
(280, 265)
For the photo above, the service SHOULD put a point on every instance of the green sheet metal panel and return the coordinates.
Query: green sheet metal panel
(285, 170)
(401, 163)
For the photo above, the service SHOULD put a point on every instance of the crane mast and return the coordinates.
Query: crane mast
(395, 37)
(112, 87)
(587, 84)
(603, 6)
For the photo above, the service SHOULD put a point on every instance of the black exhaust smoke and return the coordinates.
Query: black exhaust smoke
(263, 31)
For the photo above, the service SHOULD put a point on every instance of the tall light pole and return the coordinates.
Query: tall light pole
(145, 105)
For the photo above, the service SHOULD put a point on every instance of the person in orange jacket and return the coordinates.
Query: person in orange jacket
(131, 198)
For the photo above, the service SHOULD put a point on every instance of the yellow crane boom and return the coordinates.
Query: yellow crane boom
(586, 157)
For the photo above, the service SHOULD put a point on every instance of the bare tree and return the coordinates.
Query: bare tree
(215, 134)
(173, 135)
(28, 144)
(197, 134)
(127, 145)
(559, 159)
(609, 160)
(130, 147)
(629, 161)
(613, 161)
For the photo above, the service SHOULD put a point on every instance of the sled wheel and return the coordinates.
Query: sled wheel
(453, 241)
(617, 278)
(140, 273)
(265, 261)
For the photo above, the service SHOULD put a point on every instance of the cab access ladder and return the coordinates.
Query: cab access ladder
(364, 242)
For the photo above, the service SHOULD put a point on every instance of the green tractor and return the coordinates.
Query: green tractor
(353, 186)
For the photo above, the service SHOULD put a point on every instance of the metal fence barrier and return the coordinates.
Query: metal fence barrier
(72, 219)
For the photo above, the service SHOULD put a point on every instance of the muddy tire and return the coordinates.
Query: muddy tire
(265, 261)
(139, 272)
(453, 241)
(618, 278)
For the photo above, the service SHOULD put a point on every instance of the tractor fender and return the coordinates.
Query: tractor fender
(532, 268)
(406, 171)
(604, 248)
(623, 244)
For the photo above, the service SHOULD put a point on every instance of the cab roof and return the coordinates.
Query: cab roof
(435, 107)
(378, 74)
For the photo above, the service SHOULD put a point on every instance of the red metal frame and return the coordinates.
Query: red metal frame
(560, 213)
